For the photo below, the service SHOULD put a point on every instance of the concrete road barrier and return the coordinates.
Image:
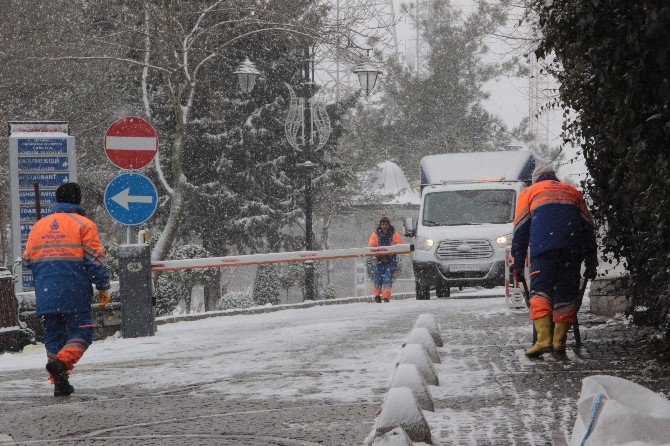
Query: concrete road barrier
(407, 375)
(417, 355)
(400, 409)
(421, 335)
(428, 321)
(396, 437)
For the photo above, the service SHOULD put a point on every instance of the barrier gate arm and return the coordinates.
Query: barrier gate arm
(280, 257)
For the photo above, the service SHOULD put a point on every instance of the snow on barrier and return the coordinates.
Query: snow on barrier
(427, 320)
(417, 355)
(400, 409)
(408, 395)
(613, 410)
(280, 257)
(421, 336)
(407, 375)
(395, 437)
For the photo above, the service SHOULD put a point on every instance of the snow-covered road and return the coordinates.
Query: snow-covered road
(314, 376)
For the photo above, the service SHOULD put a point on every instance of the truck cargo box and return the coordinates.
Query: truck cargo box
(514, 165)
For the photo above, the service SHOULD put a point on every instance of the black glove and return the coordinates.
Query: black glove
(516, 272)
(590, 272)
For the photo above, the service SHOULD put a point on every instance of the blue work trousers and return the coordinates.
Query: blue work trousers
(67, 329)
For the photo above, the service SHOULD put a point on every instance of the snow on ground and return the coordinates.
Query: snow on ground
(339, 354)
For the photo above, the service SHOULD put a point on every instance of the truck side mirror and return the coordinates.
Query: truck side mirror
(410, 230)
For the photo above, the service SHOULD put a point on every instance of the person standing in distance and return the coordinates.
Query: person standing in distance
(553, 219)
(384, 266)
(65, 255)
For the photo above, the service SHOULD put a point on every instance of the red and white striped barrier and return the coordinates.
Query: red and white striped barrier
(280, 257)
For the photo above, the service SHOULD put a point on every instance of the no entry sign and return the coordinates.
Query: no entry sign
(131, 143)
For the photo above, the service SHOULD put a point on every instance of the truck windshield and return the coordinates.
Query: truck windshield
(468, 207)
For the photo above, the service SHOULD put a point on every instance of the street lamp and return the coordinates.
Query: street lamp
(367, 74)
(247, 75)
(307, 129)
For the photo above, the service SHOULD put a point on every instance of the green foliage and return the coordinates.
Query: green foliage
(266, 285)
(330, 292)
(235, 300)
(613, 67)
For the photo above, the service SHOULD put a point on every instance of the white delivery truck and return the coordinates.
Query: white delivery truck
(466, 218)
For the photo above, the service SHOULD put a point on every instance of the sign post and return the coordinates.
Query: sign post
(131, 199)
(41, 157)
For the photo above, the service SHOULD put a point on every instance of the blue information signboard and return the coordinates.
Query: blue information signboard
(47, 197)
(25, 230)
(42, 154)
(43, 179)
(42, 146)
(131, 199)
(43, 163)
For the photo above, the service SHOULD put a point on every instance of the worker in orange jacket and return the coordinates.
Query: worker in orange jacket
(384, 266)
(553, 220)
(65, 255)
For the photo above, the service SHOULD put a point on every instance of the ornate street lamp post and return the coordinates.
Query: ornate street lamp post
(307, 129)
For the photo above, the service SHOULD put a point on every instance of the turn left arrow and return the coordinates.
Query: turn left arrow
(124, 199)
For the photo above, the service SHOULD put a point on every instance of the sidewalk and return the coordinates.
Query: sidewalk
(491, 394)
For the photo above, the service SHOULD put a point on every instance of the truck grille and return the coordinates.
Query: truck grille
(464, 249)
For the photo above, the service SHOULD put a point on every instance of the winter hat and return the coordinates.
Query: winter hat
(69, 193)
(542, 169)
(384, 219)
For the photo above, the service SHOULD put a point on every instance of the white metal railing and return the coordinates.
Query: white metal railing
(280, 257)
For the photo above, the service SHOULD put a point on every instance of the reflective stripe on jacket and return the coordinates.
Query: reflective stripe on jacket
(65, 254)
(552, 215)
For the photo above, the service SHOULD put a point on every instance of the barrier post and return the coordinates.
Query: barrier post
(136, 291)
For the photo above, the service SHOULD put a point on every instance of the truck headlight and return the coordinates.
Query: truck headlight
(504, 240)
(424, 243)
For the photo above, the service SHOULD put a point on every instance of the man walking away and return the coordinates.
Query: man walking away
(66, 258)
(552, 217)
(384, 266)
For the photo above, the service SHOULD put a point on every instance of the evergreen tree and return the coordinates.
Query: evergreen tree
(441, 111)
(266, 285)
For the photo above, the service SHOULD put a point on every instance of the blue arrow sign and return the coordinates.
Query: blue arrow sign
(131, 199)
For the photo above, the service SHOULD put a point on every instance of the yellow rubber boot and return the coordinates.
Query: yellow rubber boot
(543, 342)
(560, 335)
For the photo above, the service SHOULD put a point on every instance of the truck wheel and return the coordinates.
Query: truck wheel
(443, 291)
(422, 292)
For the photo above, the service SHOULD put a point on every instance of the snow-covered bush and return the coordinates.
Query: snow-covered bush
(266, 285)
(238, 299)
(330, 292)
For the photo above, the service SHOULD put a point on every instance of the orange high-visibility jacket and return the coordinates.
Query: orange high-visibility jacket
(65, 255)
(552, 215)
